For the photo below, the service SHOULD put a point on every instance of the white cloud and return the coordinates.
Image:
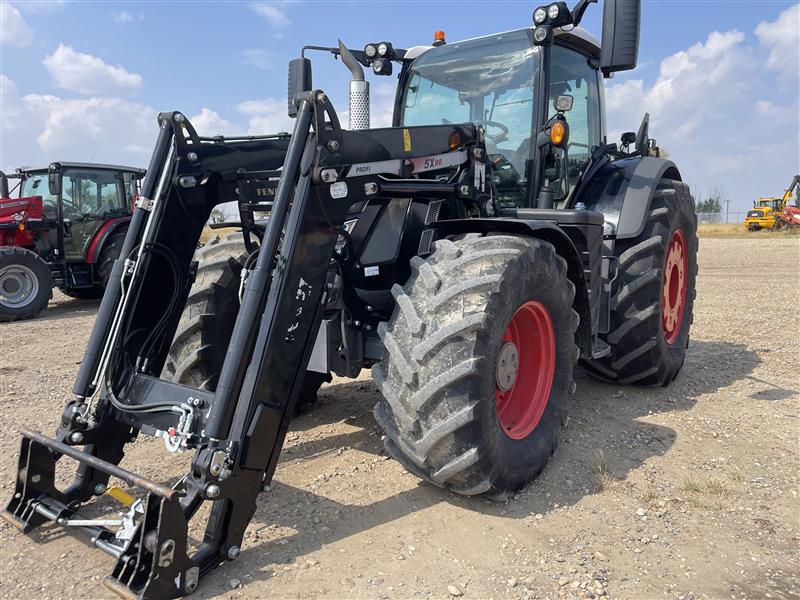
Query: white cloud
(40, 128)
(266, 116)
(14, 31)
(381, 104)
(78, 125)
(9, 109)
(210, 123)
(258, 57)
(124, 17)
(704, 111)
(273, 13)
(782, 37)
(87, 74)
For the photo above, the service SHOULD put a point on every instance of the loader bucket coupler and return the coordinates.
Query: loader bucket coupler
(152, 560)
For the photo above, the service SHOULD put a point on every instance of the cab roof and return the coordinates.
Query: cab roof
(91, 166)
(577, 36)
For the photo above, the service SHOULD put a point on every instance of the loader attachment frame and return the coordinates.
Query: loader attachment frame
(325, 176)
(238, 431)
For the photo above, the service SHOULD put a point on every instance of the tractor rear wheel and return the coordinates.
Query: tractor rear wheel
(652, 304)
(26, 284)
(204, 331)
(478, 363)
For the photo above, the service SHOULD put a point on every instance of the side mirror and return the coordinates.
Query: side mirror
(54, 179)
(299, 81)
(620, 45)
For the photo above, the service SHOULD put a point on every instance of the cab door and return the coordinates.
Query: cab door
(572, 74)
(79, 197)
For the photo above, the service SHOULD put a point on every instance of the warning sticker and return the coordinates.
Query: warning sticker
(406, 140)
(339, 190)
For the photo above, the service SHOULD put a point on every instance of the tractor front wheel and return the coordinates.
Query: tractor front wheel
(478, 363)
(201, 341)
(26, 284)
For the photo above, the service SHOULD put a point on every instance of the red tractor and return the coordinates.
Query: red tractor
(789, 218)
(63, 228)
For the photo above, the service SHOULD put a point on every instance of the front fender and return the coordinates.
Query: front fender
(583, 265)
(102, 235)
(623, 189)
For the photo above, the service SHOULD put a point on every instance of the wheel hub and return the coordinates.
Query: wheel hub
(673, 291)
(18, 286)
(507, 366)
(525, 370)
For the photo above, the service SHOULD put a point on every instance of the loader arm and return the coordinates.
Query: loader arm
(237, 433)
(787, 195)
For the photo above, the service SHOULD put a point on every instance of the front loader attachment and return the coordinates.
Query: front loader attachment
(310, 184)
(236, 432)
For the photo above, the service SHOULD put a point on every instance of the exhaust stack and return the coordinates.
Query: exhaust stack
(3, 185)
(358, 101)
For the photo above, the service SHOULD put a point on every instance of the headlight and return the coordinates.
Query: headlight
(382, 66)
(540, 34)
(383, 49)
(19, 216)
(539, 16)
(552, 12)
(371, 51)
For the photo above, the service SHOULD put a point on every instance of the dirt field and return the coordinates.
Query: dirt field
(682, 492)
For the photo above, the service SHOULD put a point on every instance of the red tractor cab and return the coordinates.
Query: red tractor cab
(62, 228)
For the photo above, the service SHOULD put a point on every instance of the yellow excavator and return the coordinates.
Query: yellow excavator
(766, 212)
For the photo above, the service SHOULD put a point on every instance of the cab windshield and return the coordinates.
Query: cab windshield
(96, 194)
(488, 81)
(36, 185)
(87, 194)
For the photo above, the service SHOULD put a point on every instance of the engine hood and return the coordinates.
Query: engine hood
(30, 206)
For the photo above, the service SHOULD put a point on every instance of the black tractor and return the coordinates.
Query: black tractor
(472, 255)
(64, 228)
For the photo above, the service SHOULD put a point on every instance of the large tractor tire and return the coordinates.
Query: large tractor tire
(653, 300)
(108, 255)
(478, 363)
(26, 284)
(204, 331)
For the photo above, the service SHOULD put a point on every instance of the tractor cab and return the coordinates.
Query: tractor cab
(82, 198)
(494, 81)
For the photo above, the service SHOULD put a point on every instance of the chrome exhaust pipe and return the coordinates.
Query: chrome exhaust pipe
(358, 100)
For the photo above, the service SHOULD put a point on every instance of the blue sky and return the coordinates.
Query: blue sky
(83, 80)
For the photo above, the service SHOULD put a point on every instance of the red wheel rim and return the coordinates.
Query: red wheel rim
(525, 367)
(673, 292)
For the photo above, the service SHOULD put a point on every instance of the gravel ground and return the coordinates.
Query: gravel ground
(683, 492)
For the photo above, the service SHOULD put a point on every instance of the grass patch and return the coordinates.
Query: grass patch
(650, 496)
(736, 230)
(710, 486)
(600, 470)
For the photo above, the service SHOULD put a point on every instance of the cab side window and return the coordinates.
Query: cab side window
(572, 75)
